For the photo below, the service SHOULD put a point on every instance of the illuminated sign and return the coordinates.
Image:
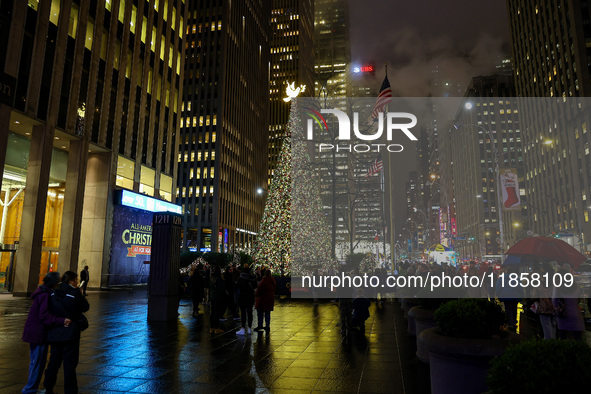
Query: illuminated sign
(140, 201)
(368, 68)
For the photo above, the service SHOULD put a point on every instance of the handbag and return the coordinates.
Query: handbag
(535, 307)
(82, 322)
(559, 308)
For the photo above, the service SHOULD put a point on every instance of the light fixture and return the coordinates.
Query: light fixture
(468, 105)
(17, 122)
(56, 138)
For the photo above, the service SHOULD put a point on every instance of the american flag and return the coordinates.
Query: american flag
(376, 166)
(384, 98)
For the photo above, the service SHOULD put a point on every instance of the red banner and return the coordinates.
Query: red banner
(137, 249)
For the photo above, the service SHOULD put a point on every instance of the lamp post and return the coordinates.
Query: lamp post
(498, 193)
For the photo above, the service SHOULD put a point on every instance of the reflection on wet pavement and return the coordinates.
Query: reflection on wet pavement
(304, 351)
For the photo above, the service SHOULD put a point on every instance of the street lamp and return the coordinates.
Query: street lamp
(497, 176)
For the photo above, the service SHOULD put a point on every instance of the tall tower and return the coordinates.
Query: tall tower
(490, 124)
(292, 60)
(223, 147)
(333, 47)
(551, 55)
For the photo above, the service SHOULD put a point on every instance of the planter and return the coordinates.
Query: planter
(460, 365)
(406, 304)
(423, 319)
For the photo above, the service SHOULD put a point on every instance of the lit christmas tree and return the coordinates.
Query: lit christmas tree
(293, 235)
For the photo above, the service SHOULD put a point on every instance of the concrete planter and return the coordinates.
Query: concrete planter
(460, 365)
(423, 319)
(408, 303)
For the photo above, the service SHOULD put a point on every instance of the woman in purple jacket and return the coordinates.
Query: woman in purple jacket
(35, 333)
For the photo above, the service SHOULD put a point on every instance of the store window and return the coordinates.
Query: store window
(166, 187)
(125, 171)
(147, 177)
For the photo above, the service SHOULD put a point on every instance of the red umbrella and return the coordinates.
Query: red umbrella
(548, 249)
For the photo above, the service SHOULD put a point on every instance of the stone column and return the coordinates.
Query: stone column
(4, 127)
(94, 217)
(73, 204)
(28, 258)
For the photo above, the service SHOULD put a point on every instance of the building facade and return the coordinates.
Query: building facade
(292, 60)
(551, 56)
(223, 160)
(91, 106)
(486, 132)
(333, 47)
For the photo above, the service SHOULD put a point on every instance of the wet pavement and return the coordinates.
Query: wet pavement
(304, 351)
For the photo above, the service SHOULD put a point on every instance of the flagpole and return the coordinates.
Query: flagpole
(383, 186)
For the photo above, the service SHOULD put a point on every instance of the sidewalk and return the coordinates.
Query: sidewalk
(303, 352)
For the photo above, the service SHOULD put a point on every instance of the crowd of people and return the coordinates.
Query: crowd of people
(232, 295)
(557, 307)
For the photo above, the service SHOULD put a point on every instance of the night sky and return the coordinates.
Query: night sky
(465, 38)
(460, 38)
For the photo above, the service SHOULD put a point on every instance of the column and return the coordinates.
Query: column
(4, 127)
(91, 250)
(73, 207)
(28, 257)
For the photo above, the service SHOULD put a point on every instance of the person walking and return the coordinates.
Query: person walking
(84, 278)
(568, 315)
(360, 310)
(543, 296)
(196, 285)
(35, 332)
(265, 301)
(217, 297)
(247, 284)
(510, 296)
(67, 301)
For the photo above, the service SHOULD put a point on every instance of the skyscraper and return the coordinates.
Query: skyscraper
(292, 60)
(222, 175)
(486, 126)
(550, 50)
(91, 106)
(333, 47)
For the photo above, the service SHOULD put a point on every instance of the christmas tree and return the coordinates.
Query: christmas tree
(293, 235)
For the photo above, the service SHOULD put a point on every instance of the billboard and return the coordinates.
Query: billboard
(130, 246)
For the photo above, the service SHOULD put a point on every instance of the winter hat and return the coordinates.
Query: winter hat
(51, 279)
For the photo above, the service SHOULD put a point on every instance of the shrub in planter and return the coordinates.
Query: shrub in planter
(468, 336)
(470, 318)
(549, 366)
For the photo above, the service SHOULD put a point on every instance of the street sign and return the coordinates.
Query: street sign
(460, 238)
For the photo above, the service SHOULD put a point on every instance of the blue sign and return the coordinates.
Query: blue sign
(140, 201)
(410, 245)
(460, 238)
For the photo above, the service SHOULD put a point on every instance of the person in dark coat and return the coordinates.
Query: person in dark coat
(247, 284)
(566, 302)
(196, 285)
(65, 341)
(84, 278)
(230, 284)
(217, 296)
(265, 300)
(360, 311)
(35, 332)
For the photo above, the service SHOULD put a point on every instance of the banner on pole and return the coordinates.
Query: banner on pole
(510, 189)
